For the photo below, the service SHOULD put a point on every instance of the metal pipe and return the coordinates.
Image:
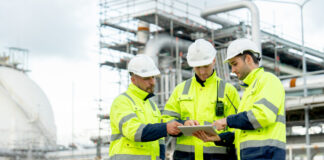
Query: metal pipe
(290, 153)
(298, 75)
(238, 5)
(312, 80)
(221, 21)
(308, 151)
(178, 62)
(155, 45)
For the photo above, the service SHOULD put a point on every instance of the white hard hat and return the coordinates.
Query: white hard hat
(200, 53)
(239, 46)
(143, 65)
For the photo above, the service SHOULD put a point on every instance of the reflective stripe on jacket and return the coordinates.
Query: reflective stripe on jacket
(261, 118)
(190, 100)
(128, 117)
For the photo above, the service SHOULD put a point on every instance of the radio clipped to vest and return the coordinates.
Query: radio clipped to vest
(219, 105)
(219, 108)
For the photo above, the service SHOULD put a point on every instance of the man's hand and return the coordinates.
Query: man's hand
(206, 137)
(172, 128)
(220, 124)
(191, 123)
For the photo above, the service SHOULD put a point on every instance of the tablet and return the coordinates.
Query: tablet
(188, 130)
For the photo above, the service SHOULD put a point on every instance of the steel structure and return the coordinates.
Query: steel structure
(173, 24)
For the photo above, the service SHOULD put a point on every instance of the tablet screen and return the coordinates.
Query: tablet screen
(188, 130)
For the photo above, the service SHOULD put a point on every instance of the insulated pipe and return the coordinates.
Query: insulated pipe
(233, 6)
(143, 32)
(221, 21)
(162, 41)
(313, 81)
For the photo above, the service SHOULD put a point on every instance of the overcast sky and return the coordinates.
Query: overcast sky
(62, 37)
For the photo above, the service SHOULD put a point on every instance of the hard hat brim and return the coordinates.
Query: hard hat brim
(149, 74)
(200, 63)
(227, 59)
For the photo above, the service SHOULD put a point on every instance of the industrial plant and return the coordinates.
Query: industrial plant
(163, 30)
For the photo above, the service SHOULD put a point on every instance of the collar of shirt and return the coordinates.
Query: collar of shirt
(210, 78)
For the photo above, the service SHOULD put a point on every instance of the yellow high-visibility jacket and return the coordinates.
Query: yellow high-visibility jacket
(261, 132)
(129, 115)
(195, 101)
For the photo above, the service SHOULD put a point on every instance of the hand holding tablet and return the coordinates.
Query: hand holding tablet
(189, 130)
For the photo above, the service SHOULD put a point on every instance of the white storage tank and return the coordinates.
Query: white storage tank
(26, 116)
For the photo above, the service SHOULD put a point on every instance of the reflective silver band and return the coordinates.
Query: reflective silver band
(281, 118)
(207, 123)
(215, 150)
(116, 136)
(211, 149)
(255, 123)
(254, 83)
(171, 113)
(125, 119)
(129, 156)
(187, 86)
(130, 98)
(221, 89)
(152, 105)
(185, 148)
(268, 104)
(138, 134)
(262, 143)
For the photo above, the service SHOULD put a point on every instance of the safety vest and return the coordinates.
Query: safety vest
(190, 100)
(264, 102)
(128, 116)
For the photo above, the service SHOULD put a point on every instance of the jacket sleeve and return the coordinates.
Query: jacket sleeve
(227, 139)
(152, 132)
(269, 95)
(124, 117)
(171, 110)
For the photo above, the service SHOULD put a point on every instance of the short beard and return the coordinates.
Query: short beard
(148, 90)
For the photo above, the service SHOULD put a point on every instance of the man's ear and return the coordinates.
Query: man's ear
(248, 59)
(133, 79)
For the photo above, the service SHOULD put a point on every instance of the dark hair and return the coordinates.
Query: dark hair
(255, 56)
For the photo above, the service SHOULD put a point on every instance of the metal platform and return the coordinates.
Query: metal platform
(181, 26)
(130, 47)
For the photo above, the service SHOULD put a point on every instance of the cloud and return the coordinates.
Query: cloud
(49, 28)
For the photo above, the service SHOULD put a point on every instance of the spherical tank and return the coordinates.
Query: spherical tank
(26, 116)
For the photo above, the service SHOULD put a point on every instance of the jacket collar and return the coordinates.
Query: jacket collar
(208, 80)
(252, 76)
(139, 92)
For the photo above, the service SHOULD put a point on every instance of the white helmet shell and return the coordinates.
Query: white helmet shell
(238, 46)
(143, 65)
(200, 53)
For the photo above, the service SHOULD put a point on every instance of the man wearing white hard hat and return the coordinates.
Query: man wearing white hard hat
(137, 131)
(260, 122)
(201, 100)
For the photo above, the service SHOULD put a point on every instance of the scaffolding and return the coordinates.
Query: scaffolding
(175, 24)
(16, 58)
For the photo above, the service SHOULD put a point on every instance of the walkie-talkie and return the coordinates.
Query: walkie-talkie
(219, 104)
